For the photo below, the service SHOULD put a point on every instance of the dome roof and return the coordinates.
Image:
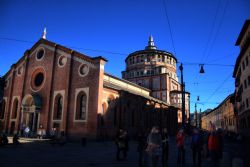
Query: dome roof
(151, 49)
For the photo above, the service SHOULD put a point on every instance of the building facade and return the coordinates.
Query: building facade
(242, 80)
(222, 117)
(156, 70)
(54, 86)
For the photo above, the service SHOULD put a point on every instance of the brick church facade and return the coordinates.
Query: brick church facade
(54, 86)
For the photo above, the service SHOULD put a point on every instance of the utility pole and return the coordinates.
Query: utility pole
(182, 96)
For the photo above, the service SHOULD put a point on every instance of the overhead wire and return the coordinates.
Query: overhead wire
(170, 30)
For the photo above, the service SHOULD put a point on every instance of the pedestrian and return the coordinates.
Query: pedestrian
(141, 139)
(165, 146)
(180, 140)
(53, 134)
(26, 131)
(126, 140)
(154, 144)
(120, 145)
(39, 132)
(220, 143)
(215, 148)
(16, 139)
(5, 140)
(196, 146)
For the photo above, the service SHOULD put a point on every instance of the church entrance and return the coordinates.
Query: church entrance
(31, 106)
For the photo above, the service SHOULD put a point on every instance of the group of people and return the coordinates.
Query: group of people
(155, 146)
(5, 141)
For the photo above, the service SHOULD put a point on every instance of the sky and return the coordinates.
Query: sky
(195, 31)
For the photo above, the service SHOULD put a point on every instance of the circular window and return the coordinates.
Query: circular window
(39, 79)
(40, 54)
(62, 61)
(83, 70)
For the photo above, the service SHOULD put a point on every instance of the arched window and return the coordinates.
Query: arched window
(14, 109)
(2, 109)
(58, 107)
(81, 106)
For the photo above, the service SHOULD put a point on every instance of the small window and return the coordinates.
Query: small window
(248, 80)
(243, 65)
(40, 54)
(62, 61)
(247, 103)
(83, 70)
(245, 83)
(19, 70)
(2, 109)
(6, 83)
(247, 61)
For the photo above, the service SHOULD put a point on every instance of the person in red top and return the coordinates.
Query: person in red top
(180, 140)
(215, 147)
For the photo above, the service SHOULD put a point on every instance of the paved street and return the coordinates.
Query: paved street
(73, 154)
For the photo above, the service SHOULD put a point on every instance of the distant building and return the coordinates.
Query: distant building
(222, 116)
(57, 87)
(242, 80)
(156, 70)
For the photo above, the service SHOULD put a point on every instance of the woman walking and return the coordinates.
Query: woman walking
(154, 142)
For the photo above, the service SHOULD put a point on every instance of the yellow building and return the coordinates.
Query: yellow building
(222, 116)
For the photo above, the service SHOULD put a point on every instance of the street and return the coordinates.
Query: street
(41, 153)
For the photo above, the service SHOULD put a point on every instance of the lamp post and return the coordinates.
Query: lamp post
(182, 96)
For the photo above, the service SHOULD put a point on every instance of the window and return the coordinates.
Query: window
(2, 110)
(40, 54)
(248, 80)
(243, 65)
(245, 83)
(83, 70)
(39, 79)
(14, 109)
(247, 103)
(81, 106)
(62, 61)
(247, 61)
(58, 106)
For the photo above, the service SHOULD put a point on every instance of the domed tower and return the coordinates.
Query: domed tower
(154, 69)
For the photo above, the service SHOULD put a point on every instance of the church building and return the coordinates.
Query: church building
(57, 87)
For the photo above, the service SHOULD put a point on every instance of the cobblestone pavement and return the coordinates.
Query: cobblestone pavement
(35, 154)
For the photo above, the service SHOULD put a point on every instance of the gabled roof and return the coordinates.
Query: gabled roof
(60, 47)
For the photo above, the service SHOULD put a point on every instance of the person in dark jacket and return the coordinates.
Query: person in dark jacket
(122, 145)
(141, 139)
(165, 139)
(16, 139)
(196, 145)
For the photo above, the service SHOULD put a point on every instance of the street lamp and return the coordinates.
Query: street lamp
(182, 96)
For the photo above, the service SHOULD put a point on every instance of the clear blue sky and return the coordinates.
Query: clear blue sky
(201, 34)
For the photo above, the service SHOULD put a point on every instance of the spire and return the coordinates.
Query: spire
(44, 33)
(151, 44)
